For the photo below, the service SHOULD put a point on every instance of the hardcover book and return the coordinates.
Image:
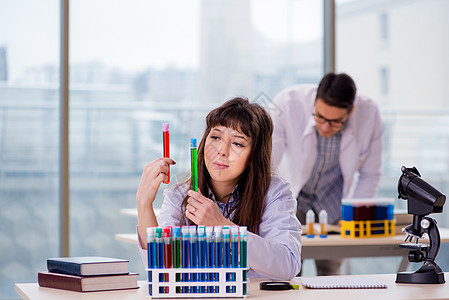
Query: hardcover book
(87, 284)
(87, 265)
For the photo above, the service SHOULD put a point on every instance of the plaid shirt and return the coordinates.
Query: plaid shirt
(324, 188)
(227, 208)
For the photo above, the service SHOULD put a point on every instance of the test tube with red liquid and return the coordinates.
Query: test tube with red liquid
(166, 150)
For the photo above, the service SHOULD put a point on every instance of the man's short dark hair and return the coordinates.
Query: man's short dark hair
(337, 90)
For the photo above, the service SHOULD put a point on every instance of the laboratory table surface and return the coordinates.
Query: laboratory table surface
(393, 291)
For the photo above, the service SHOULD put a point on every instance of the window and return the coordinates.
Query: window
(133, 65)
(135, 68)
(29, 142)
(384, 81)
(383, 20)
(413, 74)
(404, 71)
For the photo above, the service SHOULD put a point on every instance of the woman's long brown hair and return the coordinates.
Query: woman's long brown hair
(254, 121)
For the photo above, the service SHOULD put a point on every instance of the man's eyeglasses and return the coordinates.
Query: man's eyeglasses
(336, 123)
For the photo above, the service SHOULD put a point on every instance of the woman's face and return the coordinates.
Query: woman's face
(226, 154)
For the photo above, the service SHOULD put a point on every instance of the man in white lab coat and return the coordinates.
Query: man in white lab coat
(323, 137)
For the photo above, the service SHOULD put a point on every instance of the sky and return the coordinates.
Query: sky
(135, 34)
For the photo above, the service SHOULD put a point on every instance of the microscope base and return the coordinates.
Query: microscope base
(427, 274)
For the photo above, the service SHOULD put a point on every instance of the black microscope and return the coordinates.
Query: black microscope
(423, 199)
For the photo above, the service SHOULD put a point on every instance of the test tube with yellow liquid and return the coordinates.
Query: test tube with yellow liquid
(322, 216)
(310, 220)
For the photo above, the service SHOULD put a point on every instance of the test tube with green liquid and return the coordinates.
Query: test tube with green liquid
(176, 246)
(193, 165)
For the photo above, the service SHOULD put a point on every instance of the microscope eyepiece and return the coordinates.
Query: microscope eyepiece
(423, 199)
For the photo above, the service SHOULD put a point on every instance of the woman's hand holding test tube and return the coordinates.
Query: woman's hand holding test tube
(153, 175)
(204, 211)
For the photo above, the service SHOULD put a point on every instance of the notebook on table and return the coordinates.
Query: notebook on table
(343, 282)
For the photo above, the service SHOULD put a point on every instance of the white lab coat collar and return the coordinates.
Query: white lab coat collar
(310, 127)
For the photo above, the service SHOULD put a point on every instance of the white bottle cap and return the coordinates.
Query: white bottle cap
(243, 230)
(209, 230)
(150, 232)
(310, 216)
(185, 231)
(217, 231)
(323, 216)
(192, 231)
(234, 230)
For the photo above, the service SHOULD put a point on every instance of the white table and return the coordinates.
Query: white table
(394, 291)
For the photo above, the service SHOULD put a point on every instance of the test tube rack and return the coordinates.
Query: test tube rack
(362, 218)
(220, 288)
(367, 228)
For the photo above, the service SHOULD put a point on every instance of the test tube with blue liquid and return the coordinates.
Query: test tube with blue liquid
(227, 254)
(193, 257)
(210, 255)
(202, 253)
(218, 256)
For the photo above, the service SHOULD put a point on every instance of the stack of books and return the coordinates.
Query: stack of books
(88, 274)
